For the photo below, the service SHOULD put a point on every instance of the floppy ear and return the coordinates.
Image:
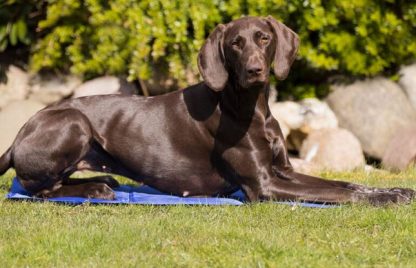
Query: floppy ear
(211, 60)
(286, 47)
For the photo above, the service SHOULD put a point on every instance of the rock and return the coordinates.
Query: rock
(284, 128)
(12, 118)
(297, 120)
(274, 108)
(16, 87)
(333, 149)
(103, 86)
(288, 114)
(408, 82)
(318, 115)
(303, 166)
(373, 110)
(48, 89)
(401, 150)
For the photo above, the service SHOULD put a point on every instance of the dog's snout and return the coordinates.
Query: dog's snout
(254, 69)
(255, 64)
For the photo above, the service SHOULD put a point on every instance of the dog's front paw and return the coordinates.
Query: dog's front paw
(406, 192)
(390, 197)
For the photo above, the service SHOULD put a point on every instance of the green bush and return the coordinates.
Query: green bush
(94, 37)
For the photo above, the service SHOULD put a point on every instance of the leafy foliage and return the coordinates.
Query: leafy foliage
(17, 19)
(95, 37)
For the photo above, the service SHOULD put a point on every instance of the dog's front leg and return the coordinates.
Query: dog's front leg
(263, 184)
(283, 170)
(258, 179)
(268, 186)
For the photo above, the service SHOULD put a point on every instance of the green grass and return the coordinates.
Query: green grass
(259, 235)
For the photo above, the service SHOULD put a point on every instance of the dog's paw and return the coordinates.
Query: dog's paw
(99, 191)
(390, 197)
(406, 192)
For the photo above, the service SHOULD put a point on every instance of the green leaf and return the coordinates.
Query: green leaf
(3, 32)
(21, 29)
(13, 34)
(3, 44)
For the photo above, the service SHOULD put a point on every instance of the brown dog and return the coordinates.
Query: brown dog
(208, 139)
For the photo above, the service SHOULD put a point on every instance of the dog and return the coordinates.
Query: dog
(206, 140)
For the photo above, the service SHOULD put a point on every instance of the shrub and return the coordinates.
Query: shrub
(94, 37)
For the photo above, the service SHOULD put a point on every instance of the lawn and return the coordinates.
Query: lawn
(258, 235)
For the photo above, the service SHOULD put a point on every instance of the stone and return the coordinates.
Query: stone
(298, 119)
(401, 150)
(288, 114)
(408, 82)
(372, 110)
(103, 86)
(48, 89)
(333, 149)
(317, 115)
(303, 166)
(13, 117)
(16, 87)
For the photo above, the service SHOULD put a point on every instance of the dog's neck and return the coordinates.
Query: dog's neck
(244, 103)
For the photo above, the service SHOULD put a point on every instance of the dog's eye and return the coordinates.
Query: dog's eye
(235, 43)
(264, 40)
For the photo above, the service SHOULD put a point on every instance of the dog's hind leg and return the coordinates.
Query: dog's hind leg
(106, 179)
(87, 190)
(99, 160)
(46, 153)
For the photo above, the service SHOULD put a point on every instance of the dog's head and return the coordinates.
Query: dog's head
(245, 49)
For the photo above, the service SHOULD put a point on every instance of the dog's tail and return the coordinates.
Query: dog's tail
(5, 161)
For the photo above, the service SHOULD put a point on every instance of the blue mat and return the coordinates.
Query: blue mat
(145, 195)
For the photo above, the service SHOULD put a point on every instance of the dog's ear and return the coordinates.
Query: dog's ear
(286, 47)
(211, 60)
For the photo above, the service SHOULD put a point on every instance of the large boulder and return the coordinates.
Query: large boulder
(373, 110)
(401, 150)
(333, 149)
(103, 86)
(13, 117)
(49, 88)
(16, 87)
(408, 82)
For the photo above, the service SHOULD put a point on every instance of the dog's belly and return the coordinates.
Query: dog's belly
(185, 176)
(191, 184)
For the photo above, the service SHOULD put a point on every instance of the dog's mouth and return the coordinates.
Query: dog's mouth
(255, 81)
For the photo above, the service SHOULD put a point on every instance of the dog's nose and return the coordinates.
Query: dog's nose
(254, 70)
